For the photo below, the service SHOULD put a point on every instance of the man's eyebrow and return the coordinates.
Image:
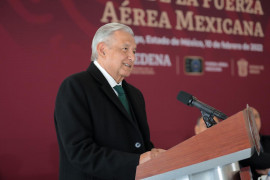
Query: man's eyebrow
(129, 45)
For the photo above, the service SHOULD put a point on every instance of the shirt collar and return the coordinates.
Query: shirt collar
(108, 77)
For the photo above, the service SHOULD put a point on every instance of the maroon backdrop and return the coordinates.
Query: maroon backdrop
(216, 50)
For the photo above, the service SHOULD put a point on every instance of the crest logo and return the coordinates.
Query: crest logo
(242, 65)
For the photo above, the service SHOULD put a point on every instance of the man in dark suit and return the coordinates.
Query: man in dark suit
(260, 165)
(102, 131)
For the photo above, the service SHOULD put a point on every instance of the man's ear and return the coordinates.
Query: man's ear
(101, 47)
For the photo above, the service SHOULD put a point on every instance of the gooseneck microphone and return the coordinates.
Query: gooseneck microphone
(190, 100)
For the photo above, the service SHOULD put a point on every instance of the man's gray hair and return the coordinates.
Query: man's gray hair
(104, 32)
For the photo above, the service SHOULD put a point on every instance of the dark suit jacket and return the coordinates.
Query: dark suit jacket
(259, 162)
(97, 138)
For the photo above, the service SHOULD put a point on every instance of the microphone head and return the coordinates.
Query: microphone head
(185, 98)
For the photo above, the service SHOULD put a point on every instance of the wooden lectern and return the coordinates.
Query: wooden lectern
(227, 142)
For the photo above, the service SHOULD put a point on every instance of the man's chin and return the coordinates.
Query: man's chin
(127, 73)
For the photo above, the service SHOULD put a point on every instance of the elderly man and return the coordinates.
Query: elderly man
(100, 119)
(260, 165)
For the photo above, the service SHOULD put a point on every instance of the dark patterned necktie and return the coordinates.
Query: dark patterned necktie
(122, 97)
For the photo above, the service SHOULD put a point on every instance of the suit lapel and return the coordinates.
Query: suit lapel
(133, 99)
(107, 89)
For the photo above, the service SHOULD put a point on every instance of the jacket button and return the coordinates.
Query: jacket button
(137, 145)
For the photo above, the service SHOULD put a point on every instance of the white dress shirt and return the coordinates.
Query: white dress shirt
(109, 78)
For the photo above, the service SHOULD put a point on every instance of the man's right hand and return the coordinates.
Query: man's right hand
(150, 155)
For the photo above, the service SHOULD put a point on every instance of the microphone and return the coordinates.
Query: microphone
(190, 100)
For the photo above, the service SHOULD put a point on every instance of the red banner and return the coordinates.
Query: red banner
(217, 50)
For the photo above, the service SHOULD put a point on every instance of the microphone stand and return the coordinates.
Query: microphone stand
(208, 119)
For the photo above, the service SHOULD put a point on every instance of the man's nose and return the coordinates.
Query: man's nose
(131, 56)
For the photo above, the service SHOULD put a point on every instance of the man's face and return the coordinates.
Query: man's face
(120, 55)
(200, 127)
(257, 118)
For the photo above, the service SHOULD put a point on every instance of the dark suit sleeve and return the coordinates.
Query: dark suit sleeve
(263, 160)
(257, 162)
(75, 133)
